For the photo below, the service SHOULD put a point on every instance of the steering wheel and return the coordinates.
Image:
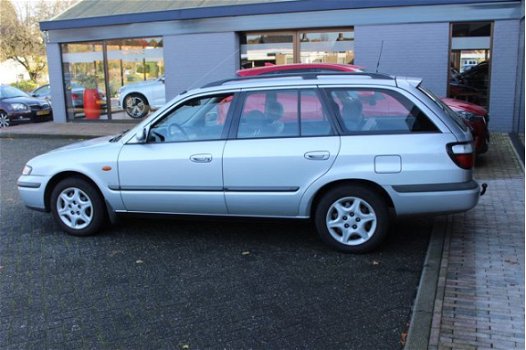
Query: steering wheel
(177, 132)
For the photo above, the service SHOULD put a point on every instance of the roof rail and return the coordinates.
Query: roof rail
(306, 76)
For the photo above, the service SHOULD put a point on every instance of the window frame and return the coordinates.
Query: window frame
(234, 128)
(296, 38)
(228, 119)
(343, 131)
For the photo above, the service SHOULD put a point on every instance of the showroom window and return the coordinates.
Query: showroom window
(470, 55)
(304, 46)
(95, 71)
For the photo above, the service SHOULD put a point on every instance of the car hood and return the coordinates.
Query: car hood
(31, 101)
(459, 105)
(92, 143)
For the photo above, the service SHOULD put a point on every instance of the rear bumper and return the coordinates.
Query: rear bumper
(435, 198)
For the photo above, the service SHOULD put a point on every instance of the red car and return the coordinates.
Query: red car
(476, 117)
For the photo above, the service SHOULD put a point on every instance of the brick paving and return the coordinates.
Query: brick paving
(480, 295)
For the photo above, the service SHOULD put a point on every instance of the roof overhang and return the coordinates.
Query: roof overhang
(281, 7)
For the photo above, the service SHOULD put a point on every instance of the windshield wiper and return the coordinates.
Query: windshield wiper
(118, 137)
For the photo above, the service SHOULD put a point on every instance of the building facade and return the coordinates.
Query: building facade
(471, 50)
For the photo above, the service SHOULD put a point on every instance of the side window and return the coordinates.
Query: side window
(314, 120)
(44, 90)
(199, 119)
(283, 113)
(378, 111)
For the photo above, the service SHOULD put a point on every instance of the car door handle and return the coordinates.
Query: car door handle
(201, 158)
(317, 155)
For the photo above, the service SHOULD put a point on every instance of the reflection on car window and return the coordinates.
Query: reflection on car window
(283, 113)
(198, 119)
(378, 111)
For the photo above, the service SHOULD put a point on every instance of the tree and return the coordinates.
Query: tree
(20, 37)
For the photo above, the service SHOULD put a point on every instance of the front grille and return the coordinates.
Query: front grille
(35, 108)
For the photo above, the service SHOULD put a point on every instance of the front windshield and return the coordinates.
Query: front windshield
(10, 92)
(444, 107)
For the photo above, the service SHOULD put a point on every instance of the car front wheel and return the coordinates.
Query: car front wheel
(77, 207)
(4, 120)
(352, 219)
(136, 106)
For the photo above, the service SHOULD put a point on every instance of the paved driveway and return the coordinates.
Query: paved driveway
(195, 284)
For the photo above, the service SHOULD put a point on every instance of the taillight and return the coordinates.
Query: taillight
(462, 154)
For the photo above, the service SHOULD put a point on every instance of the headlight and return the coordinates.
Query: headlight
(19, 107)
(27, 170)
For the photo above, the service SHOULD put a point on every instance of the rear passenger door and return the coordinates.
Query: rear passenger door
(281, 142)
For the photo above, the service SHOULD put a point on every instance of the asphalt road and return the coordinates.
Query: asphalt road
(195, 284)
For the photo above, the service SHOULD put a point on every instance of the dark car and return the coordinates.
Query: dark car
(476, 117)
(18, 107)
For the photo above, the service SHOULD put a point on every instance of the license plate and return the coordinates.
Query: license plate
(43, 112)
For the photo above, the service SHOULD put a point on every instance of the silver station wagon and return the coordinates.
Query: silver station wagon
(345, 150)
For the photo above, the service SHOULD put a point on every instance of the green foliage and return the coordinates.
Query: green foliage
(143, 69)
(130, 78)
(25, 85)
(88, 81)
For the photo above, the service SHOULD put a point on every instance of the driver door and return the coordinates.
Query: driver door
(179, 169)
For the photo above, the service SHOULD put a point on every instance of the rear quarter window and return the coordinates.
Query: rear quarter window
(378, 111)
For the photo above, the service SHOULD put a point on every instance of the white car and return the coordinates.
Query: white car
(344, 150)
(137, 99)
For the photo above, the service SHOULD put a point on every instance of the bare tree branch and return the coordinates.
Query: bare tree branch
(20, 36)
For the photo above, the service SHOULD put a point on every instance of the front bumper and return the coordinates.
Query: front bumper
(32, 116)
(32, 191)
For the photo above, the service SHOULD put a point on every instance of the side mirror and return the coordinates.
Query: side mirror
(142, 135)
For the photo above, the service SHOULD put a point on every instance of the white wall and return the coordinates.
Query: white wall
(417, 50)
(192, 60)
(503, 77)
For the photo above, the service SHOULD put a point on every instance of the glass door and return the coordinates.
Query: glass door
(470, 61)
(84, 81)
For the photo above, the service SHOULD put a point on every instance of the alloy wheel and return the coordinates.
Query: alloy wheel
(4, 120)
(74, 208)
(351, 221)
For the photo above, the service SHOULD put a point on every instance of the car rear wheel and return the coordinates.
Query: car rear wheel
(136, 105)
(4, 120)
(77, 207)
(352, 219)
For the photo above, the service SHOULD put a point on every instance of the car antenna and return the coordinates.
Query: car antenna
(379, 56)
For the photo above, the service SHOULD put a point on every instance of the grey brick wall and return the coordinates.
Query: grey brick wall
(54, 60)
(419, 50)
(503, 74)
(193, 60)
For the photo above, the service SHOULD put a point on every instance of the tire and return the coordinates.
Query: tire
(136, 106)
(352, 219)
(4, 120)
(77, 207)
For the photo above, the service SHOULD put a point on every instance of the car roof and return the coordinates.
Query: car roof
(303, 79)
(298, 66)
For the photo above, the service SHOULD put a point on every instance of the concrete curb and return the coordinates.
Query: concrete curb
(422, 313)
(518, 148)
